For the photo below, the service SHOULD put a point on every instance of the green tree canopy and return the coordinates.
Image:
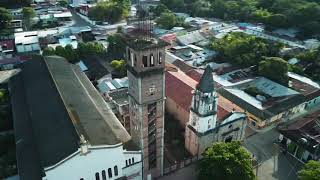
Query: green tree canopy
(5, 18)
(168, 20)
(49, 51)
(276, 69)
(117, 46)
(84, 50)
(302, 14)
(119, 66)
(159, 9)
(111, 11)
(310, 171)
(227, 161)
(63, 3)
(28, 13)
(244, 50)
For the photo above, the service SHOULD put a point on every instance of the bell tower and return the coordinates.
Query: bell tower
(146, 62)
(203, 112)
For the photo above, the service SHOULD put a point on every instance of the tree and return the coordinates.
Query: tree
(244, 50)
(111, 11)
(5, 18)
(117, 46)
(277, 20)
(119, 66)
(227, 161)
(49, 51)
(91, 48)
(28, 13)
(161, 8)
(63, 3)
(276, 69)
(310, 171)
(167, 20)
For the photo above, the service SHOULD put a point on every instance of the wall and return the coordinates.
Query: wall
(177, 111)
(86, 166)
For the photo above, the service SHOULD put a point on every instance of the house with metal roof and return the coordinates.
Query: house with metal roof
(263, 100)
(63, 127)
(301, 138)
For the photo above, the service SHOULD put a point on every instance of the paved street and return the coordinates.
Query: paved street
(77, 20)
(187, 173)
(274, 165)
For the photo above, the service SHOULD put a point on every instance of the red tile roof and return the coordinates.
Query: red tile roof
(7, 45)
(222, 113)
(194, 75)
(179, 91)
(179, 88)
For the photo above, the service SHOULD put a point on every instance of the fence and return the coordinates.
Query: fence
(180, 165)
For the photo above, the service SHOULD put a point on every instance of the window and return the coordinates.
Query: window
(135, 60)
(97, 176)
(160, 57)
(129, 161)
(81, 179)
(115, 170)
(151, 60)
(104, 177)
(132, 160)
(145, 61)
(126, 162)
(110, 173)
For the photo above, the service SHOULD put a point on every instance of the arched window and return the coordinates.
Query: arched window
(81, 179)
(145, 61)
(110, 173)
(160, 57)
(132, 160)
(97, 176)
(115, 170)
(151, 60)
(126, 162)
(104, 177)
(129, 161)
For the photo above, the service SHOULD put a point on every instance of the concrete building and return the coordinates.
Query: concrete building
(302, 137)
(263, 100)
(146, 62)
(64, 129)
(27, 42)
(203, 127)
(119, 103)
(6, 49)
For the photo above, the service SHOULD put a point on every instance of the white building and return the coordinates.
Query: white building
(27, 42)
(64, 129)
(204, 128)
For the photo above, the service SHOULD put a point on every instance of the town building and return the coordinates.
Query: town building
(203, 127)
(146, 64)
(191, 54)
(263, 100)
(6, 49)
(64, 129)
(302, 137)
(119, 103)
(27, 42)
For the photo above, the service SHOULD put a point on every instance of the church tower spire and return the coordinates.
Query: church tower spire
(203, 115)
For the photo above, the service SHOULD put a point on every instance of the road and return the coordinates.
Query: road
(274, 165)
(77, 20)
(187, 173)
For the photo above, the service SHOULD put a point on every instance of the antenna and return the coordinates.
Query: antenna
(144, 20)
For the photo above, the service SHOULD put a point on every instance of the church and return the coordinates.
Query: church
(203, 127)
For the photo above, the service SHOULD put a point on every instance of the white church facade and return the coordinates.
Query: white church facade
(203, 127)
